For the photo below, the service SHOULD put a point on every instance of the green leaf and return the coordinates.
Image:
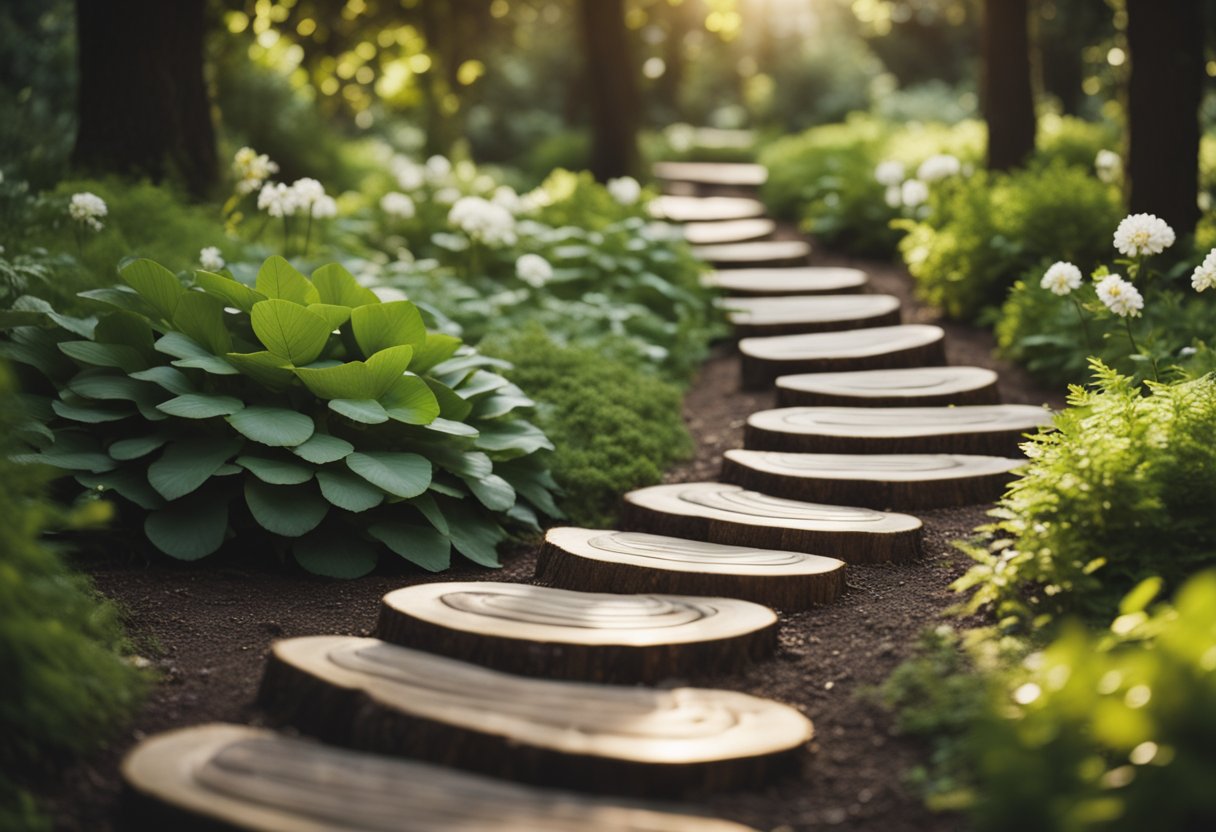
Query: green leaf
(200, 406)
(38, 310)
(128, 329)
(92, 414)
(175, 381)
(193, 355)
(480, 383)
(383, 325)
(189, 529)
(119, 356)
(187, 464)
(122, 297)
(129, 483)
(473, 535)
(493, 491)
(438, 347)
(411, 401)
(358, 380)
(232, 292)
(334, 553)
(289, 510)
(290, 330)
(278, 279)
(155, 284)
(264, 367)
(366, 411)
(337, 286)
(400, 474)
(349, 492)
(419, 545)
(426, 504)
(1141, 595)
(109, 386)
(450, 428)
(321, 449)
(274, 426)
(275, 471)
(451, 406)
(201, 318)
(333, 314)
(127, 449)
(514, 437)
(387, 367)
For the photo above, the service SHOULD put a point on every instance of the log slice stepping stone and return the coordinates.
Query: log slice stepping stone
(752, 317)
(615, 561)
(590, 636)
(791, 280)
(725, 174)
(728, 231)
(723, 513)
(996, 429)
(903, 482)
(873, 348)
(911, 386)
(236, 777)
(705, 208)
(376, 696)
(757, 253)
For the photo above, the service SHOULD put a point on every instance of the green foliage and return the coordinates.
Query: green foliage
(1120, 490)
(615, 427)
(985, 232)
(1073, 141)
(308, 409)
(67, 686)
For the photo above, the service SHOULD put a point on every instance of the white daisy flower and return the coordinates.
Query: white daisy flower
(1141, 234)
(398, 205)
(1120, 297)
(913, 193)
(890, 173)
(1061, 278)
(938, 167)
(88, 209)
(625, 189)
(210, 259)
(533, 270)
(1204, 276)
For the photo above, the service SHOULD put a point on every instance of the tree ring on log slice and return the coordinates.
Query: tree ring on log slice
(911, 386)
(722, 513)
(589, 636)
(255, 779)
(797, 314)
(876, 348)
(792, 280)
(995, 430)
(760, 253)
(705, 209)
(377, 696)
(902, 482)
(604, 560)
(725, 174)
(728, 231)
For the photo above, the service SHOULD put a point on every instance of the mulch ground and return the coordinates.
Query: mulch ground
(207, 629)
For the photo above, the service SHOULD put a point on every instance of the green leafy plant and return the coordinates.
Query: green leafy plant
(305, 409)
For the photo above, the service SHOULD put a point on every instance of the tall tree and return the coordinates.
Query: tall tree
(1165, 41)
(142, 99)
(1007, 93)
(612, 87)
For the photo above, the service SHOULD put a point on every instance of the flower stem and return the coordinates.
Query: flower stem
(1136, 348)
(1084, 324)
(307, 231)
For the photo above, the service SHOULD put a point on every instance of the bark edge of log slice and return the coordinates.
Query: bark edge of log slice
(584, 636)
(223, 776)
(607, 560)
(906, 387)
(763, 360)
(368, 694)
(898, 482)
(682, 209)
(729, 514)
(803, 314)
(788, 281)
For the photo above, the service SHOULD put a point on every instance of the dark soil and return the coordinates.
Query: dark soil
(207, 630)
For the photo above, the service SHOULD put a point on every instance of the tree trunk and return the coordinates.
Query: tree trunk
(1008, 97)
(612, 88)
(1165, 39)
(143, 103)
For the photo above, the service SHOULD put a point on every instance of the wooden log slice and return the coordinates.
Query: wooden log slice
(377, 696)
(615, 561)
(794, 315)
(729, 174)
(222, 776)
(903, 482)
(728, 231)
(792, 280)
(589, 636)
(996, 430)
(911, 386)
(875, 348)
(759, 253)
(722, 513)
(705, 209)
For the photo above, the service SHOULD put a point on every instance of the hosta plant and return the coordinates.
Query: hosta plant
(306, 408)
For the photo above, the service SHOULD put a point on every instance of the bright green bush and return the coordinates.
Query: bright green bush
(1121, 490)
(315, 413)
(615, 427)
(1074, 141)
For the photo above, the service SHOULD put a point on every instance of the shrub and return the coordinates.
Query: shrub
(330, 420)
(1120, 490)
(1074, 141)
(615, 427)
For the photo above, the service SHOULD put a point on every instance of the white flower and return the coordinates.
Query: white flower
(533, 270)
(625, 190)
(325, 207)
(914, 192)
(483, 220)
(1061, 278)
(1140, 234)
(277, 199)
(506, 197)
(938, 167)
(447, 196)
(398, 205)
(893, 196)
(1109, 166)
(890, 173)
(1204, 276)
(410, 176)
(307, 191)
(1120, 297)
(438, 168)
(88, 208)
(210, 259)
(251, 169)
